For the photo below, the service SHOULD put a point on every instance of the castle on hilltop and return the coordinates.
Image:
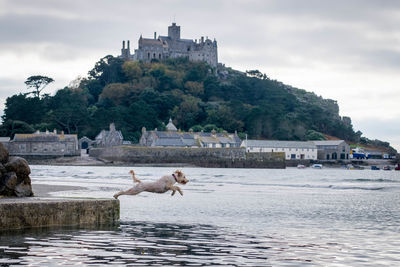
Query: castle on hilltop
(172, 46)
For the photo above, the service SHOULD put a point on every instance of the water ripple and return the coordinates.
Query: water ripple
(149, 244)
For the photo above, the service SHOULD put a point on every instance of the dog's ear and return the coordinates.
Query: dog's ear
(178, 172)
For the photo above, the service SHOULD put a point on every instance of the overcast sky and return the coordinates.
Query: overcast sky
(344, 50)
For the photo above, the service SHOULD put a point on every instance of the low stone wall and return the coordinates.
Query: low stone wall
(18, 213)
(203, 157)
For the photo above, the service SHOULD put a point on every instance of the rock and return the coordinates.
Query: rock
(2, 170)
(19, 166)
(9, 184)
(10, 180)
(24, 190)
(14, 175)
(3, 154)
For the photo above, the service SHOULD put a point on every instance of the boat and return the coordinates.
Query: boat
(375, 168)
(301, 166)
(397, 167)
(387, 168)
(316, 166)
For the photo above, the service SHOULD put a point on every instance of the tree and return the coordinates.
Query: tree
(132, 70)
(38, 83)
(118, 93)
(108, 70)
(10, 128)
(69, 110)
(22, 108)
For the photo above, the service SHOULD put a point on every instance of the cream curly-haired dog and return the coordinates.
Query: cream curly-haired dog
(162, 185)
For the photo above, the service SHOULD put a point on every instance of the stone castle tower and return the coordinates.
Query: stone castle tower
(172, 46)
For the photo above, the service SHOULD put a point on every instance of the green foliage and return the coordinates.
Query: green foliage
(11, 127)
(23, 108)
(137, 94)
(197, 128)
(314, 135)
(209, 127)
(38, 83)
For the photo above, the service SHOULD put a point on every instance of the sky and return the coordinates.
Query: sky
(348, 51)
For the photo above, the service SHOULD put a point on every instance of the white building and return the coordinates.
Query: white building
(294, 150)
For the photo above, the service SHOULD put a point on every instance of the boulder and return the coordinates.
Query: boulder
(24, 189)
(19, 166)
(14, 175)
(3, 154)
(10, 180)
(9, 183)
(2, 170)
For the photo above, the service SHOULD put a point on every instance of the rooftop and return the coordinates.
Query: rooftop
(279, 144)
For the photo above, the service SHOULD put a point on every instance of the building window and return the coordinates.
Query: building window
(148, 55)
(293, 156)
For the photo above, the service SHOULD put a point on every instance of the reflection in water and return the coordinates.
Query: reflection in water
(144, 244)
(233, 217)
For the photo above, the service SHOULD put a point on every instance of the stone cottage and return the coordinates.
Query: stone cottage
(109, 138)
(44, 144)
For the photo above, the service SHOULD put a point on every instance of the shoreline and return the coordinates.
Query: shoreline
(90, 161)
(45, 190)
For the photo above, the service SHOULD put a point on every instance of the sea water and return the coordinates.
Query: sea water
(230, 217)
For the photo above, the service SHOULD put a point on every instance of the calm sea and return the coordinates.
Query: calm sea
(230, 217)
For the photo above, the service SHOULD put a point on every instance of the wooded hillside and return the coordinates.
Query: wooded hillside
(136, 95)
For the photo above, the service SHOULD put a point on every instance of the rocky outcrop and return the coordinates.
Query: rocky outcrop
(14, 175)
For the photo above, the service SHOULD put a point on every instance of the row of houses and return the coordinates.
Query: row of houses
(56, 144)
(60, 144)
(174, 138)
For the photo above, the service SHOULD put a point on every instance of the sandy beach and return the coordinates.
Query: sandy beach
(44, 190)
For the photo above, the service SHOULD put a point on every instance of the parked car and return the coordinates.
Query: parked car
(387, 168)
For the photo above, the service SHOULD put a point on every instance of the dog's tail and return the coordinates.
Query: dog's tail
(135, 180)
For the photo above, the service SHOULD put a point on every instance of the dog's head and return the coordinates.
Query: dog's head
(180, 177)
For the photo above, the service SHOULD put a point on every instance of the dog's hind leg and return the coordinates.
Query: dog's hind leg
(133, 191)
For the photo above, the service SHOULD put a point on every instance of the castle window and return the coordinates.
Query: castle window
(159, 56)
(154, 55)
(148, 55)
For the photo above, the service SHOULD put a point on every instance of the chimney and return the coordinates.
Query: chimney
(55, 131)
(112, 127)
(202, 39)
(128, 45)
(123, 44)
(155, 35)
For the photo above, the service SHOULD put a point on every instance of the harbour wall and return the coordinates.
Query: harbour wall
(19, 213)
(202, 157)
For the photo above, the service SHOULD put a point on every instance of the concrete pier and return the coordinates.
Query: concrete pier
(18, 213)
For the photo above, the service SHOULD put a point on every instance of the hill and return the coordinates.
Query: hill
(194, 95)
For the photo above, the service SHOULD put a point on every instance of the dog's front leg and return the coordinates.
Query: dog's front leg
(174, 189)
(179, 190)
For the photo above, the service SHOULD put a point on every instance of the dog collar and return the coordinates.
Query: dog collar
(173, 175)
